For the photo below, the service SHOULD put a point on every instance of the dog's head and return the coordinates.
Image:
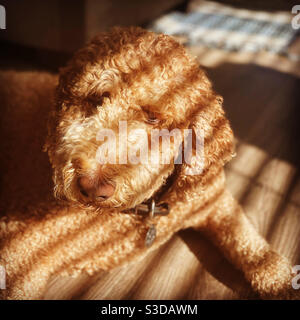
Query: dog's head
(115, 98)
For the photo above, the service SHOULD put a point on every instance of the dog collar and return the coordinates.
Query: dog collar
(161, 209)
(155, 207)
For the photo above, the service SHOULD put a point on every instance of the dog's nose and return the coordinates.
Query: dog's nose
(99, 191)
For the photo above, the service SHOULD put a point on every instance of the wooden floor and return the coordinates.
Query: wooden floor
(262, 104)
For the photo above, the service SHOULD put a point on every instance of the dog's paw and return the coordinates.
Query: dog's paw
(272, 279)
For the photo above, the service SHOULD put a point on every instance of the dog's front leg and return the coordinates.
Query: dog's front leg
(269, 273)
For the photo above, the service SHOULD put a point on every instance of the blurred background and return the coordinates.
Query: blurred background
(251, 51)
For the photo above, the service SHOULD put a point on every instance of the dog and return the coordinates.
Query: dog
(107, 213)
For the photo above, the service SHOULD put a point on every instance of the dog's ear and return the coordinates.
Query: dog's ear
(208, 145)
(212, 139)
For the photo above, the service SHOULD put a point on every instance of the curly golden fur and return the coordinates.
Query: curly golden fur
(127, 74)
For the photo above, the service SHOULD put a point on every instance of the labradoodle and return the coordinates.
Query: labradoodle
(110, 200)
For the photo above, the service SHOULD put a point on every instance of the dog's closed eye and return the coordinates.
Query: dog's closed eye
(151, 117)
(95, 100)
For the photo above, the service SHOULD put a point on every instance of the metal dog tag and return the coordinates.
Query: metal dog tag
(150, 236)
(151, 233)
